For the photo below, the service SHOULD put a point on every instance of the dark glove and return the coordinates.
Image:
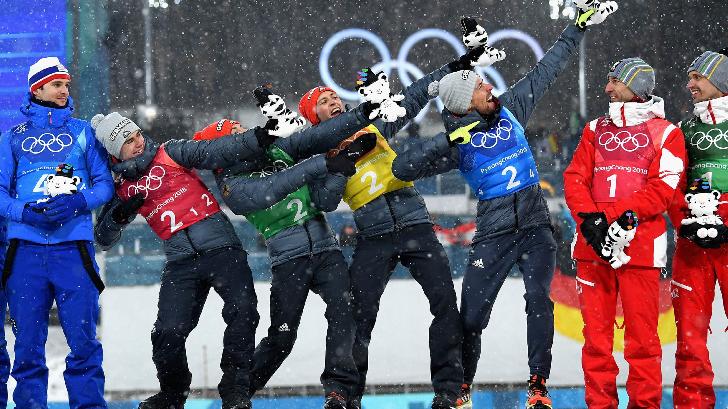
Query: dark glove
(125, 210)
(693, 232)
(594, 229)
(62, 208)
(355, 148)
(340, 164)
(263, 135)
(34, 215)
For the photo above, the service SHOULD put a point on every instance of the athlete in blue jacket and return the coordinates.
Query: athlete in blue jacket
(50, 255)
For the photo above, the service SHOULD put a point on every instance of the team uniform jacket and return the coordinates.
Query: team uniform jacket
(630, 160)
(31, 151)
(510, 197)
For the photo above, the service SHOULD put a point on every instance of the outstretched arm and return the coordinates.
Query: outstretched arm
(326, 135)
(421, 158)
(522, 97)
(251, 192)
(415, 98)
(216, 153)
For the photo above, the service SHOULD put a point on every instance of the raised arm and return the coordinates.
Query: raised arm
(522, 97)
(415, 98)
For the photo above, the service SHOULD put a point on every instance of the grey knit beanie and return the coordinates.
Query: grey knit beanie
(636, 74)
(113, 130)
(455, 90)
(714, 67)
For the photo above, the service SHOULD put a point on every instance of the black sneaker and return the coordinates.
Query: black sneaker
(236, 401)
(441, 401)
(538, 395)
(334, 401)
(164, 400)
(354, 403)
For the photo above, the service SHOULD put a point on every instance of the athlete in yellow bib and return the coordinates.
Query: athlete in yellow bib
(394, 226)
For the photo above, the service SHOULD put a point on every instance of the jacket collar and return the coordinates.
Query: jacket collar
(453, 122)
(45, 117)
(713, 111)
(634, 113)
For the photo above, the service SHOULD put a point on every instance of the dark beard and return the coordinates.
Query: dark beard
(47, 104)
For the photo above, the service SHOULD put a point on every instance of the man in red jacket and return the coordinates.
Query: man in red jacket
(628, 163)
(700, 262)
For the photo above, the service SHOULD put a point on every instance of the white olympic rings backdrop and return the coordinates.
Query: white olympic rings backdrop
(405, 69)
(623, 139)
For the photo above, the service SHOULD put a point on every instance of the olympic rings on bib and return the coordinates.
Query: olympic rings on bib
(152, 181)
(623, 139)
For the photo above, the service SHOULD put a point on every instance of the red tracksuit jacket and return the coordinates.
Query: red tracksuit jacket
(631, 159)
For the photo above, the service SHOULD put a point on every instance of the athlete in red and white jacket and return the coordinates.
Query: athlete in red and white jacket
(630, 160)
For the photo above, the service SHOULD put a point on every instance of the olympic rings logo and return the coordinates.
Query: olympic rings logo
(405, 69)
(504, 127)
(275, 167)
(704, 140)
(54, 143)
(152, 181)
(624, 140)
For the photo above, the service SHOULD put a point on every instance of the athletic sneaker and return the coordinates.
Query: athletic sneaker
(164, 400)
(538, 395)
(441, 401)
(334, 401)
(464, 400)
(354, 403)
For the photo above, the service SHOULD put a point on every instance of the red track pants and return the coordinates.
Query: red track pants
(695, 271)
(638, 287)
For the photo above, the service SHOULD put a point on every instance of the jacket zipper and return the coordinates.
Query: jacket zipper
(50, 120)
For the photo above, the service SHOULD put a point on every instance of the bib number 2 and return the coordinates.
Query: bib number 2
(300, 213)
(374, 187)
